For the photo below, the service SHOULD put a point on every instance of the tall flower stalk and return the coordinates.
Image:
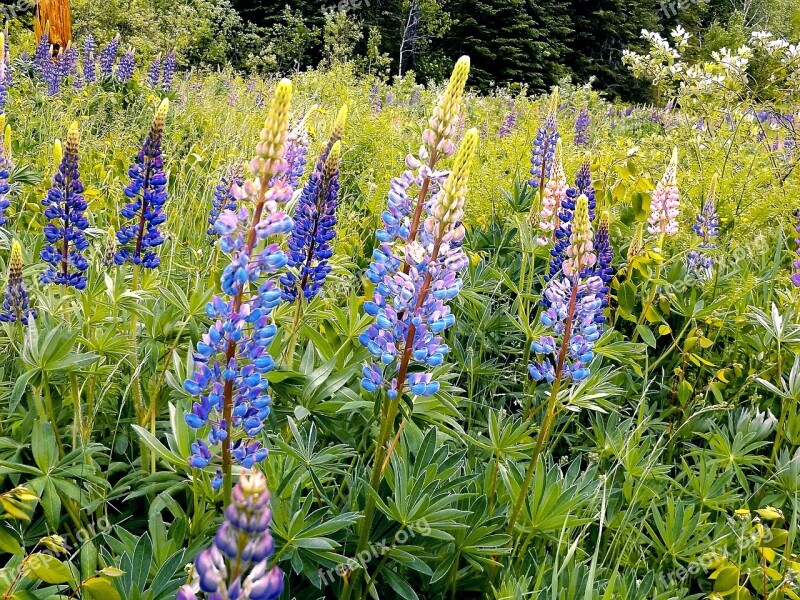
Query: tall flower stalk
(572, 305)
(4, 75)
(236, 566)
(137, 240)
(5, 171)
(555, 192)
(64, 207)
(662, 223)
(232, 359)
(795, 278)
(582, 122)
(314, 229)
(699, 261)
(415, 270)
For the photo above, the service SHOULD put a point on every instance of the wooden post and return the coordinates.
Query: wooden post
(55, 15)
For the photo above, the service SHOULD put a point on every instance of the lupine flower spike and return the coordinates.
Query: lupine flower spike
(796, 265)
(637, 244)
(148, 193)
(16, 304)
(605, 254)
(544, 145)
(409, 307)
(154, 72)
(168, 74)
(296, 150)
(64, 207)
(108, 57)
(665, 203)
(223, 198)
(232, 359)
(706, 227)
(236, 566)
(4, 72)
(555, 193)
(126, 66)
(89, 65)
(110, 248)
(5, 163)
(315, 221)
(582, 123)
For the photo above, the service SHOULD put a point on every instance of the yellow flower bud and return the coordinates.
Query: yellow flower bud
(450, 205)
(337, 132)
(332, 164)
(2, 51)
(58, 153)
(73, 139)
(160, 116)
(272, 144)
(15, 262)
(637, 243)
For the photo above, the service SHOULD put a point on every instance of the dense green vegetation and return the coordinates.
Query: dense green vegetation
(482, 381)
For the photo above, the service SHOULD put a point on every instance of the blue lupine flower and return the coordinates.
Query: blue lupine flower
(168, 74)
(795, 278)
(89, 66)
(508, 124)
(154, 72)
(706, 227)
(223, 198)
(53, 74)
(126, 66)
(314, 228)
(16, 302)
(236, 564)
(605, 254)
(64, 207)
(4, 73)
(148, 193)
(573, 309)
(232, 359)
(5, 173)
(108, 57)
(582, 128)
(409, 303)
(43, 54)
(544, 146)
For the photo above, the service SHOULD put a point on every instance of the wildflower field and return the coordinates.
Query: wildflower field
(326, 337)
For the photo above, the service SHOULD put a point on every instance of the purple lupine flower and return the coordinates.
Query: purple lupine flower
(377, 103)
(413, 286)
(168, 74)
(796, 265)
(126, 66)
(43, 54)
(706, 227)
(4, 72)
(582, 128)
(16, 302)
(108, 57)
(314, 228)
(65, 206)
(148, 193)
(223, 198)
(296, 151)
(603, 268)
(5, 173)
(89, 66)
(573, 307)
(414, 97)
(236, 566)
(154, 72)
(389, 98)
(508, 123)
(7, 57)
(53, 74)
(545, 145)
(563, 232)
(232, 358)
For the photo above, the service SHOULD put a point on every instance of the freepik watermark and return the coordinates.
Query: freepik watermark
(374, 551)
(345, 5)
(710, 561)
(14, 9)
(671, 9)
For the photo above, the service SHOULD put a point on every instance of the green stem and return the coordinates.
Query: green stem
(48, 401)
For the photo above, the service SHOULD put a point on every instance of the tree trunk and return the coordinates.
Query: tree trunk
(53, 15)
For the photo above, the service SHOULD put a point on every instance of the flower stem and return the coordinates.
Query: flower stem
(544, 430)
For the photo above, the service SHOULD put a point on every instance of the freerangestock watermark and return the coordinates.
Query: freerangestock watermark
(15, 8)
(671, 9)
(344, 6)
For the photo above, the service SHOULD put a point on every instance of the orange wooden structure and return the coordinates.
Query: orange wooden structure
(56, 15)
